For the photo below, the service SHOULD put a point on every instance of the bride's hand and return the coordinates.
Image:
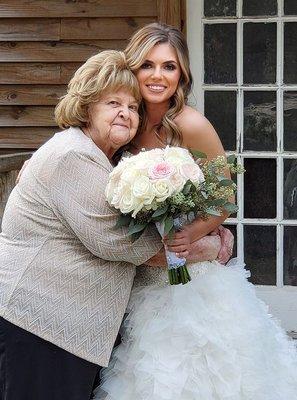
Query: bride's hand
(180, 244)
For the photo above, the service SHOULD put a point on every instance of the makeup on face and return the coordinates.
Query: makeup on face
(159, 74)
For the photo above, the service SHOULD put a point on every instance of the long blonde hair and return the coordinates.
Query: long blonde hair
(138, 47)
(105, 72)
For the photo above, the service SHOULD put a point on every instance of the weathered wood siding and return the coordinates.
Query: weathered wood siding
(42, 42)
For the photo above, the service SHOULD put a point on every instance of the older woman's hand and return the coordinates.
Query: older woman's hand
(227, 243)
(217, 245)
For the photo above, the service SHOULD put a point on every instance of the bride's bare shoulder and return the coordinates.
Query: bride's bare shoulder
(198, 132)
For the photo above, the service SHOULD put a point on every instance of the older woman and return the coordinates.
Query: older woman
(65, 274)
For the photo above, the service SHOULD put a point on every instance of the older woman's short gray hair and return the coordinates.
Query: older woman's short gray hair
(105, 72)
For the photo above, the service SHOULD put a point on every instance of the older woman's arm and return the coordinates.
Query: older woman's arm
(77, 187)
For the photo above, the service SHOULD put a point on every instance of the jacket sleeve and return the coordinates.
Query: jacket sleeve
(77, 190)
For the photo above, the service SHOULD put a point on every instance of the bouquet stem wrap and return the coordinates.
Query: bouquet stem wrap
(177, 270)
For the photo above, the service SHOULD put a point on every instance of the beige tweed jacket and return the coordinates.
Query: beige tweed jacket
(65, 272)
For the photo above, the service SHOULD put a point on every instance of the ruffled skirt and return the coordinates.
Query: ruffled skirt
(211, 339)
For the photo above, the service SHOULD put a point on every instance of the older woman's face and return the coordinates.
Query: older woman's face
(113, 120)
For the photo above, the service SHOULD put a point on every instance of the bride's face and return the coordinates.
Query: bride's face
(159, 74)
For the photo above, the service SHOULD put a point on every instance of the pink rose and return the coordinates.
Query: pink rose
(161, 170)
(192, 171)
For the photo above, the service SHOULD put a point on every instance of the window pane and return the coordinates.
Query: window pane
(219, 8)
(290, 189)
(290, 7)
(220, 53)
(290, 53)
(260, 253)
(259, 121)
(220, 109)
(259, 188)
(256, 7)
(290, 255)
(259, 53)
(233, 229)
(290, 121)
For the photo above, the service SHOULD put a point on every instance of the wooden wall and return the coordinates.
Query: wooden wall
(42, 42)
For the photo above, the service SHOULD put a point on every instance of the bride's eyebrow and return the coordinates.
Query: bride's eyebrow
(164, 62)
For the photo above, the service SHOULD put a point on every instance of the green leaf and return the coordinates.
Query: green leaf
(160, 211)
(134, 228)
(198, 154)
(212, 211)
(226, 182)
(123, 220)
(231, 207)
(187, 187)
(231, 159)
(168, 225)
(217, 202)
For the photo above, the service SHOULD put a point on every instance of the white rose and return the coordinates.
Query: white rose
(130, 175)
(128, 202)
(177, 155)
(177, 181)
(110, 190)
(163, 189)
(192, 171)
(143, 189)
(154, 154)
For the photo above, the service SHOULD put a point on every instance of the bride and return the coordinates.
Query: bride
(211, 339)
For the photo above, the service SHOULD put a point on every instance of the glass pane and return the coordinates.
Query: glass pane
(290, 188)
(259, 121)
(260, 253)
(290, 7)
(219, 8)
(256, 7)
(233, 229)
(220, 53)
(259, 53)
(220, 109)
(290, 53)
(290, 255)
(259, 188)
(290, 121)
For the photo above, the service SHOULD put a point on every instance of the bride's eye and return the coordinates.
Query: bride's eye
(170, 67)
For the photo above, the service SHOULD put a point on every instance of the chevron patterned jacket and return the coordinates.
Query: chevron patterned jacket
(65, 272)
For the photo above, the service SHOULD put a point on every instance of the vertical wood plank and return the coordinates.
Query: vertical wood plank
(169, 12)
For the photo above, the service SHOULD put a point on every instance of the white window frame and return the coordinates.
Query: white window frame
(281, 298)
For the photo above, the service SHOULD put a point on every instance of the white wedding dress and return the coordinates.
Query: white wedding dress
(211, 339)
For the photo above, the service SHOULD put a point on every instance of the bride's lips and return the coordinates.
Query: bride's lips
(155, 88)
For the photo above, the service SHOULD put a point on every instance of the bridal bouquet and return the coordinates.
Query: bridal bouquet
(169, 187)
